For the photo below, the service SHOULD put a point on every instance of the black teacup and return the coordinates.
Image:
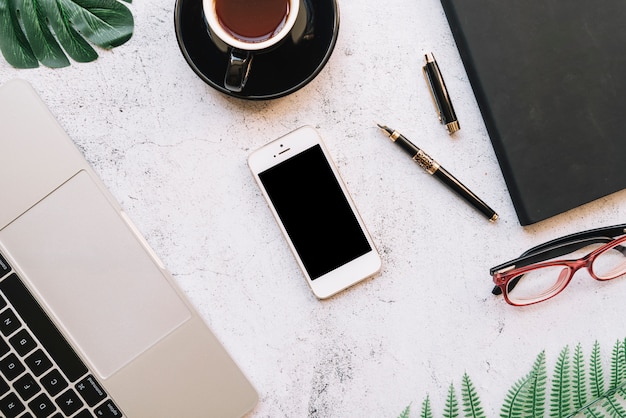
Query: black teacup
(243, 28)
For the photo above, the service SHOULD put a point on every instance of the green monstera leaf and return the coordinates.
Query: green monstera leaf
(44, 31)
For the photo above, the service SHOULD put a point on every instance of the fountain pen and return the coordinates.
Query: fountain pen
(433, 168)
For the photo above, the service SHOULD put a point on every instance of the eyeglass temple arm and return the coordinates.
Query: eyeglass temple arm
(546, 252)
(609, 231)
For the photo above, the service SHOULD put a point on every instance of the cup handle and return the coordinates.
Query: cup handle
(237, 70)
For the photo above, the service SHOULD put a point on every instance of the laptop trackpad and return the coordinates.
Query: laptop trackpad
(94, 274)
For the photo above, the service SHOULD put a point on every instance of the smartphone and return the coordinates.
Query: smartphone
(315, 212)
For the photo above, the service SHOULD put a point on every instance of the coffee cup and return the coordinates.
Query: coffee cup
(244, 28)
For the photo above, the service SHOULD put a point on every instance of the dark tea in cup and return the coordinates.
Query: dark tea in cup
(252, 20)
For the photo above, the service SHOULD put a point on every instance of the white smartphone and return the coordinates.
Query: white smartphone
(315, 212)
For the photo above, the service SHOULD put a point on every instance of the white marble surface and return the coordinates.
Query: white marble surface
(173, 151)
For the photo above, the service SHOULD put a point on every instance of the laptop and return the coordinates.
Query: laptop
(91, 323)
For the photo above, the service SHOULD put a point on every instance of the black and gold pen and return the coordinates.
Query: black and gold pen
(443, 103)
(433, 168)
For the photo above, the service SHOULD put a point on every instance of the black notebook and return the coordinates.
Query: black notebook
(550, 80)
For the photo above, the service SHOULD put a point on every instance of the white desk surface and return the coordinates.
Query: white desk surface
(173, 151)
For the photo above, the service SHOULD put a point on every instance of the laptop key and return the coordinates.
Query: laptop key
(4, 347)
(4, 266)
(54, 382)
(42, 327)
(42, 406)
(69, 402)
(11, 367)
(8, 323)
(108, 410)
(90, 390)
(26, 386)
(4, 388)
(23, 342)
(11, 406)
(38, 362)
(84, 414)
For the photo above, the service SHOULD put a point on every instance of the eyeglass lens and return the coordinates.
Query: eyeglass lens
(537, 284)
(610, 263)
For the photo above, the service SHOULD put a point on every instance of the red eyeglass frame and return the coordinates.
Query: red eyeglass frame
(533, 259)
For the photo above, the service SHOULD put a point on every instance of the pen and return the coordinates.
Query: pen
(433, 168)
(440, 95)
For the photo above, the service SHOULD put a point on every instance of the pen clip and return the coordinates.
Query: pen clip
(431, 89)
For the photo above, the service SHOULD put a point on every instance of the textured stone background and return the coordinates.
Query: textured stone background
(173, 151)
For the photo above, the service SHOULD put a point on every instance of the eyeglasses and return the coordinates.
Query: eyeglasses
(541, 273)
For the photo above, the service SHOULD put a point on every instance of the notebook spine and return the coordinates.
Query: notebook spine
(494, 134)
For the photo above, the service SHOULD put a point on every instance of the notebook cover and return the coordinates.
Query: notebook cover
(550, 80)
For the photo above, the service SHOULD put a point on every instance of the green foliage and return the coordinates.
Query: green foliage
(471, 402)
(536, 394)
(527, 396)
(513, 406)
(44, 31)
(452, 405)
(596, 374)
(574, 389)
(406, 413)
(579, 384)
(427, 412)
(561, 396)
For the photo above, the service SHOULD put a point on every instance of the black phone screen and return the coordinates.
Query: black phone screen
(315, 212)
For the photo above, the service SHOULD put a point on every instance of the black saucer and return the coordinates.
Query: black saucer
(274, 74)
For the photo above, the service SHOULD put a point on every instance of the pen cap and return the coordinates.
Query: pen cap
(439, 93)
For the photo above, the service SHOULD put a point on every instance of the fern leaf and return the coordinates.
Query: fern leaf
(621, 363)
(608, 400)
(580, 387)
(616, 365)
(471, 402)
(593, 413)
(621, 388)
(406, 413)
(427, 411)
(451, 409)
(596, 378)
(621, 360)
(536, 399)
(561, 396)
(514, 402)
(613, 406)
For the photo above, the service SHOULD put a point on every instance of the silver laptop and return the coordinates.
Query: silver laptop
(91, 323)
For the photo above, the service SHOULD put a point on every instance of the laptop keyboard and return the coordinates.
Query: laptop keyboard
(41, 376)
